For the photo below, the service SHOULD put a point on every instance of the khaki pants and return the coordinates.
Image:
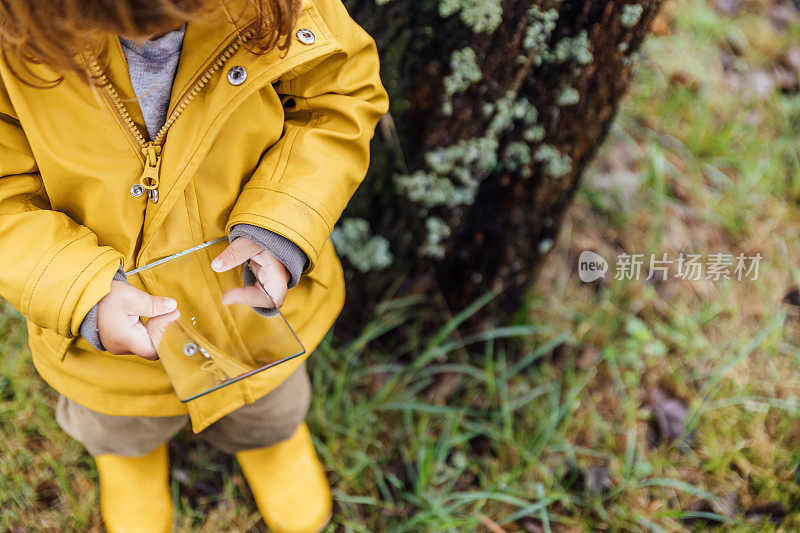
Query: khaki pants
(267, 421)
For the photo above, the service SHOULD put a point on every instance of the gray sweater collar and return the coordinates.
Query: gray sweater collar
(165, 46)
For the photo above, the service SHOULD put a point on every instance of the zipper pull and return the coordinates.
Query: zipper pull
(152, 168)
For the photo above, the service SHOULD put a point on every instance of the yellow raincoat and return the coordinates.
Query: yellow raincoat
(283, 148)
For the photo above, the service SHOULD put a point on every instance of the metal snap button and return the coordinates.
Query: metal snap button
(237, 75)
(137, 190)
(190, 349)
(305, 36)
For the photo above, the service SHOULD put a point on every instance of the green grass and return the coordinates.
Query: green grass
(460, 435)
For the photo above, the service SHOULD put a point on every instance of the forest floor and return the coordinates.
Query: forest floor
(641, 405)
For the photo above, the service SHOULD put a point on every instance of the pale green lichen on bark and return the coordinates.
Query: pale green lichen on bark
(507, 109)
(354, 241)
(631, 13)
(517, 155)
(437, 231)
(534, 133)
(542, 24)
(454, 174)
(481, 16)
(464, 71)
(545, 245)
(568, 96)
(540, 27)
(431, 190)
(632, 59)
(555, 163)
(577, 48)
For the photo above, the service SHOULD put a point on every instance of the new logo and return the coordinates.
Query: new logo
(591, 266)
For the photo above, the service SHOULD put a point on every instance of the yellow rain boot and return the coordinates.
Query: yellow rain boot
(289, 484)
(134, 492)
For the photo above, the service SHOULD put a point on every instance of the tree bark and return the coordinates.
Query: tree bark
(570, 60)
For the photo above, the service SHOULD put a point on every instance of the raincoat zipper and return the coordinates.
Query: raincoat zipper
(151, 150)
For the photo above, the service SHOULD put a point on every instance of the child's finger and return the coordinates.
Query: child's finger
(236, 253)
(139, 343)
(274, 279)
(142, 304)
(251, 295)
(156, 327)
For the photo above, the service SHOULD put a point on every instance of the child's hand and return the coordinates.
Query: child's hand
(273, 278)
(118, 322)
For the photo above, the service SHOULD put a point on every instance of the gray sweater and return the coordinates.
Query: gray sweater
(152, 65)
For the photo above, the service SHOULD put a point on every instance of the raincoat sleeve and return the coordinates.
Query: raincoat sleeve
(305, 180)
(52, 269)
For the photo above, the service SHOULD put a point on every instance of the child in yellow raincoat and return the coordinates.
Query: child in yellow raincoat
(134, 129)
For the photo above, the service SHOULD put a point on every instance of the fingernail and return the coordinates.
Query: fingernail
(170, 304)
(216, 265)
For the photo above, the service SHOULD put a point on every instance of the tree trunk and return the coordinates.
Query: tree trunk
(497, 107)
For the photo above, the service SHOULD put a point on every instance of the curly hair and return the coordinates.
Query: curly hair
(57, 33)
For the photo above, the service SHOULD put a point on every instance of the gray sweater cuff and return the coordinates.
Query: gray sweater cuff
(284, 250)
(88, 329)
